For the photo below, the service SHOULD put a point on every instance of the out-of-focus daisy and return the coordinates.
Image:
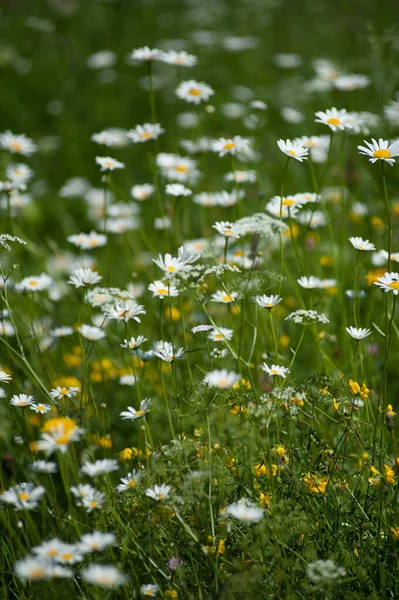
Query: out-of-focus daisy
(43, 466)
(361, 244)
(241, 176)
(100, 467)
(180, 59)
(112, 138)
(134, 343)
(380, 150)
(222, 379)
(347, 83)
(40, 408)
(220, 334)
(4, 377)
(132, 414)
(105, 576)
(268, 302)
(244, 510)
(160, 289)
(93, 501)
(35, 283)
(57, 434)
(389, 282)
(142, 192)
(149, 589)
(146, 54)
(335, 119)
(309, 283)
(233, 145)
(275, 370)
(177, 189)
(106, 163)
(130, 481)
(226, 229)
(60, 332)
(17, 143)
(293, 149)
(61, 392)
(158, 492)
(169, 264)
(145, 132)
(92, 333)
(88, 241)
(358, 333)
(24, 496)
(96, 541)
(125, 312)
(84, 278)
(168, 353)
(194, 91)
(104, 59)
(32, 568)
(21, 400)
(225, 297)
(19, 173)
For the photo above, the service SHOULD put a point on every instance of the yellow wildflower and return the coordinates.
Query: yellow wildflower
(315, 484)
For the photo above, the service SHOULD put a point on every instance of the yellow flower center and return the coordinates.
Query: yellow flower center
(181, 169)
(162, 292)
(292, 152)
(63, 439)
(333, 121)
(41, 407)
(24, 496)
(227, 299)
(171, 268)
(218, 336)
(229, 146)
(227, 232)
(52, 553)
(394, 285)
(223, 383)
(93, 243)
(139, 413)
(67, 555)
(36, 573)
(33, 283)
(64, 391)
(93, 503)
(288, 202)
(132, 482)
(105, 580)
(15, 145)
(145, 135)
(382, 153)
(195, 92)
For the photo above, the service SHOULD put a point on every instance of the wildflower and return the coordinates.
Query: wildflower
(134, 343)
(21, 400)
(42, 466)
(358, 333)
(4, 377)
(244, 510)
(380, 150)
(112, 138)
(60, 332)
(307, 317)
(149, 589)
(105, 576)
(17, 143)
(174, 563)
(335, 119)
(158, 492)
(293, 149)
(57, 434)
(146, 54)
(24, 496)
(91, 333)
(354, 386)
(84, 278)
(88, 241)
(226, 229)
(361, 244)
(145, 132)
(389, 282)
(96, 541)
(364, 392)
(309, 283)
(32, 569)
(93, 500)
(131, 480)
(377, 478)
(180, 59)
(194, 91)
(262, 469)
(59, 393)
(40, 408)
(315, 484)
(222, 379)
(99, 467)
(34, 283)
(346, 83)
(241, 176)
(125, 312)
(169, 264)
(132, 414)
(106, 163)
(233, 145)
(202, 328)
(168, 353)
(324, 571)
(142, 192)
(160, 289)
(275, 370)
(395, 533)
(268, 302)
(224, 297)
(177, 189)
(220, 334)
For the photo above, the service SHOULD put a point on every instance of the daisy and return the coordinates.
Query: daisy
(17, 143)
(84, 278)
(194, 91)
(158, 492)
(59, 393)
(57, 434)
(93, 501)
(105, 59)
(346, 83)
(230, 145)
(226, 229)
(100, 467)
(293, 149)
(60, 332)
(131, 480)
(222, 296)
(127, 379)
(241, 176)
(335, 119)
(160, 289)
(180, 59)
(40, 408)
(83, 490)
(275, 370)
(268, 302)
(112, 138)
(169, 264)
(177, 189)
(33, 569)
(92, 333)
(125, 312)
(142, 192)
(389, 282)
(4, 377)
(105, 576)
(361, 244)
(222, 379)
(70, 554)
(146, 54)
(21, 400)
(88, 241)
(132, 414)
(145, 133)
(358, 333)
(168, 354)
(50, 549)
(309, 283)
(220, 334)
(19, 173)
(106, 163)
(380, 150)
(149, 589)
(96, 541)
(134, 343)
(43, 466)
(34, 283)
(244, 510)
(24, 496)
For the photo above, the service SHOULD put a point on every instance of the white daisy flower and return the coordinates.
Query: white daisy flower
(93, 501)
(226, 228)
(131, 480)
(244, 510)
(19, 173)
(220, 334)
(149, 589)
(43, 466)
(142, 192)
(100, 467)
(4, 377)
(160, 289)
(158, 492)
(21, 400)
(84, 278)
(233, 145)
(169, 354)
(380, 150)
(358, 333)
(92, 333)
(134, 343)
(125, 312)
(177, 189)
(275, 370)
(194, 91)
(104, 59)
(145, 132)
(17, 143)
(268, 302)
(59, 392)
(169, 264)
(106, 163)
(146, 54)
(241, 176)
(105, 576)
(361, 244)
(389, 283)
(309, 283)
(132, 414)
(40, 408)
(293, 149)
(224, 297)
(88, 241)
(96, 541)
(33, 569)
(335, 119)
(180, 59)
(24, 496)
(35, 283)
(222, 379)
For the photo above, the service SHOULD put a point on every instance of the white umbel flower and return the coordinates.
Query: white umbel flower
(194, 92)
(358, 333)
(84, 278)
(389, 283)
(361, 244)
(145, 132)
(293, 149)
(380, 150)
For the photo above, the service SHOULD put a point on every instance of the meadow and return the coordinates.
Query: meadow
(199, 337)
